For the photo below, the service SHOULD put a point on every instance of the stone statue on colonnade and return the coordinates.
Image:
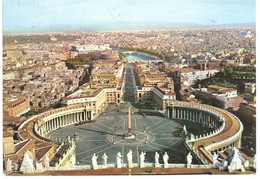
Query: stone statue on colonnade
(119, 160)
(142, 158)
(189, 160)
(105, 157)
(165, 159)
(130, 158)
(94, 161)
(156, 159)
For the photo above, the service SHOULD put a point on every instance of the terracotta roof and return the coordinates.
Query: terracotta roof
(9, 133)
(216, 87)
(227, 90)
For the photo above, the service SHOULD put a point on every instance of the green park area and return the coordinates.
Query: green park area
(83, 59)
(122, 54)
(233, 76)
(37, 39)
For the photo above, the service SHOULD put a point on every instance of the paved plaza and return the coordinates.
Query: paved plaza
(153, 133)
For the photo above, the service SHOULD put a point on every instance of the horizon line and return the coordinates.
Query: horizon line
(196, 26)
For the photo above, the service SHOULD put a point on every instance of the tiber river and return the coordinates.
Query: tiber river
(138, 56)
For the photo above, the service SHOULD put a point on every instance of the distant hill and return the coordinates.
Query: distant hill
(116, 26)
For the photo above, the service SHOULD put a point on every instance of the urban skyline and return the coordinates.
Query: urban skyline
(129, 87)
(102, 15)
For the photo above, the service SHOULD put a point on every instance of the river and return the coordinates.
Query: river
(138, 56)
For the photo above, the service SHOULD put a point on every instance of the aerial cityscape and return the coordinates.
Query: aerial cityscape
(126, 87)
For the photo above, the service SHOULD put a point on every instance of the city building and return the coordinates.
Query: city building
(17, 107)
(250, 88)
(220, 96)
(153, 85)
(85, 49)
(103, 88)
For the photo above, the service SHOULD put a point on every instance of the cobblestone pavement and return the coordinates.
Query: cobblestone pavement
(165, 134)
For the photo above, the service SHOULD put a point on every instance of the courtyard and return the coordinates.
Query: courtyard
(154, 133)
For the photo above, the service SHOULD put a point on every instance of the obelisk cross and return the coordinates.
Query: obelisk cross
(129, 122)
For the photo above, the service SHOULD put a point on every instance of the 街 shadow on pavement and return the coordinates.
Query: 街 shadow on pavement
(101, 132)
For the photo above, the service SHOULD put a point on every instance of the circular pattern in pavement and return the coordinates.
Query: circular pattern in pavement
(140, 138)
(161, 135)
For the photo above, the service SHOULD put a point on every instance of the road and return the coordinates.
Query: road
(129, 88)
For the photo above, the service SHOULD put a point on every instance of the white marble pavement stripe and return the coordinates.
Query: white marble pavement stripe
(162, 125)
(101, 130)
(167, 138)
(155, 124)
(91, 140)
(97, 153)
(105, 126)
(155, 148)
(164, 134)
(167, 147)
(92, 149)
(158, 149)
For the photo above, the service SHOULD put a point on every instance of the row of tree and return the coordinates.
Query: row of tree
(122, 54)
(240, 72)
(233, 76)
(85, 59)
(35, 39)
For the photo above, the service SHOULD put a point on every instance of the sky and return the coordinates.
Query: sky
(26, 15)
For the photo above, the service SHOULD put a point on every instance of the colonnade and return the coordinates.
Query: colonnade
(211, 117)
(62, 121)
(191, 114)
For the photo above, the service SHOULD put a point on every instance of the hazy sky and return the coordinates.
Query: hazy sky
(44, 13)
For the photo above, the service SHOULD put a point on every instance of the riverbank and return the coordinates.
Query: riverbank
(137, 56)
(146, 51)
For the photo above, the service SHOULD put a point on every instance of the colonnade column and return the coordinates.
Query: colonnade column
(45, 128)
(77, 117)
(70, 118)
(66, 119)
(62, 121)
(52, 124)
(80, 116)
(41, 130)
(91, 115)
(57, 122)
(48, 126)
(83, 116)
